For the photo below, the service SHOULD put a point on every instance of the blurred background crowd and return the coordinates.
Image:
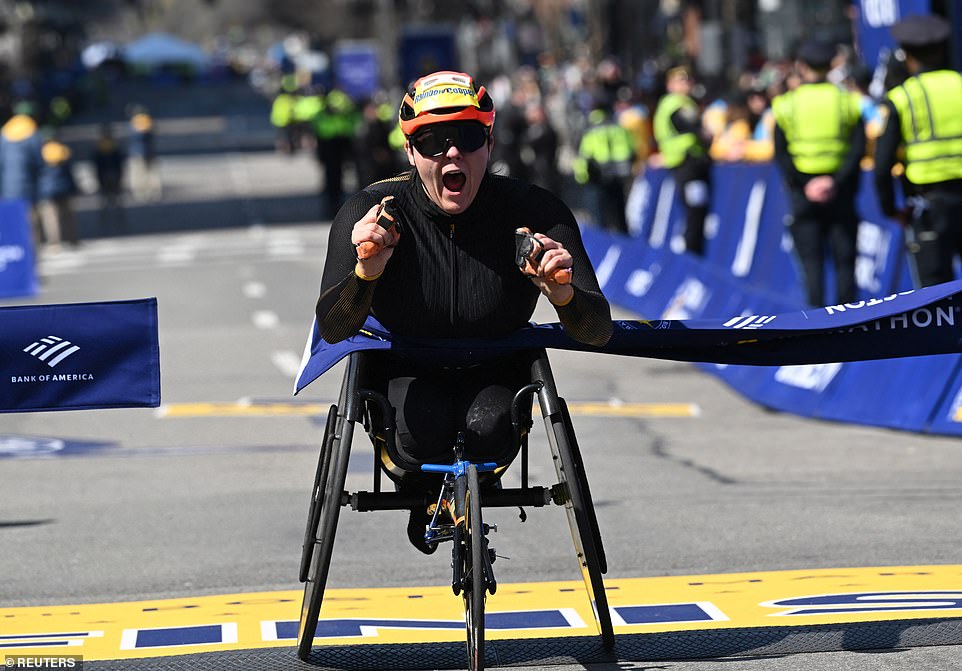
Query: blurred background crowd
(330, 74)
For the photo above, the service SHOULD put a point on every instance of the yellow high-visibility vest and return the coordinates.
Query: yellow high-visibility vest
(672, 145)
(817, 120)
(930, 112)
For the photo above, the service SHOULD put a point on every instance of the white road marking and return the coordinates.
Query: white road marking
(265, 319)
(285, 247)
(288, 362)
(255, 289)
(177, 254)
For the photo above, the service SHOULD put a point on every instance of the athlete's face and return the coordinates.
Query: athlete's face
(453, 177)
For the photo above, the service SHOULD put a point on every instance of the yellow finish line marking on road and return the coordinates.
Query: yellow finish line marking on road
(165, 627)
(280, 409)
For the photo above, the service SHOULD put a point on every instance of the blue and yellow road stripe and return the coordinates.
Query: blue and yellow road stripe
(165, 627)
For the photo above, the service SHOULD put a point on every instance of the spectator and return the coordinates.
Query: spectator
(506, 158)
(539, 149)
(142, 157)
(762, 121)
(634, 116)
(108, 160)
(933, 167)
(20, 161)
(743, 137)
(819, 143)
(858, 81)
(374, 155)
(683, 145)
(56, 189)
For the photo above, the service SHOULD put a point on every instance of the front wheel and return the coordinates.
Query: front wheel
(473, 571)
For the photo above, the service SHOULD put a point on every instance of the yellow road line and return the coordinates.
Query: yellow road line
(241, 409)
(634, 409)
(281, 409)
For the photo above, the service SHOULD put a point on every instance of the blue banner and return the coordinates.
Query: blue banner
(750, 270)
(911, 323)
(875, 20)
(426, 49)
(79, 356)
(356, 69)
(17, 276)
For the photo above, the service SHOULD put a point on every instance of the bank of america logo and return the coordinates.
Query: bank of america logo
(51, 350)
(749, 322)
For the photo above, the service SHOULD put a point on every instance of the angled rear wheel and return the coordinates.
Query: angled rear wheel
(320, 478)
(582, 519)
(319, 543)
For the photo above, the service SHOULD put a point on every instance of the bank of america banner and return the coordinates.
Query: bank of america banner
(79, 356)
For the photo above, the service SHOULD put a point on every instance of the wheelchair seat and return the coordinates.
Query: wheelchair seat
(379, 419)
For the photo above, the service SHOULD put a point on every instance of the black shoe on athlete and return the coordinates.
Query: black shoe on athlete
(417, 525)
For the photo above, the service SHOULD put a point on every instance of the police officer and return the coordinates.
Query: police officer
(819, 141)
(605, 156)
(924, 115)
(282, 117)
(334, 129)
(683, 145)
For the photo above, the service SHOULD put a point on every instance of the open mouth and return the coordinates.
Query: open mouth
(454, 181)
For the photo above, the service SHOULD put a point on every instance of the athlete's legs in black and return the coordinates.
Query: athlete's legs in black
(433, 404)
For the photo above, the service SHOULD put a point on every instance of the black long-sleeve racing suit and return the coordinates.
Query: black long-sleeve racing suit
(454, 276)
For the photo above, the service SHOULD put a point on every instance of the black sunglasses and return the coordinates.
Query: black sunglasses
(435, 140)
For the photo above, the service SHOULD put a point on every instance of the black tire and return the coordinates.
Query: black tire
(476, 584)
(583, 522)
(581, 478)
(329, 504)
(320, 476)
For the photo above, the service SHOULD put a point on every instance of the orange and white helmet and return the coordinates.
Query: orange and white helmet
(445, 96)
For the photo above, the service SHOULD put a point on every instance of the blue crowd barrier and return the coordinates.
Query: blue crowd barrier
(17, 275)
(749, 272)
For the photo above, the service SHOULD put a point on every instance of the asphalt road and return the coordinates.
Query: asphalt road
(157, 504)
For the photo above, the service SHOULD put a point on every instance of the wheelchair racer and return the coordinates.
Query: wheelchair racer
(447, 269)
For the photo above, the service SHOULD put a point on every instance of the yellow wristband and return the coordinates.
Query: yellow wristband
(365, 277)
(569, 299)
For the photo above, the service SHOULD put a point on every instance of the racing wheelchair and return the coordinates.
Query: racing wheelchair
(460, 503)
